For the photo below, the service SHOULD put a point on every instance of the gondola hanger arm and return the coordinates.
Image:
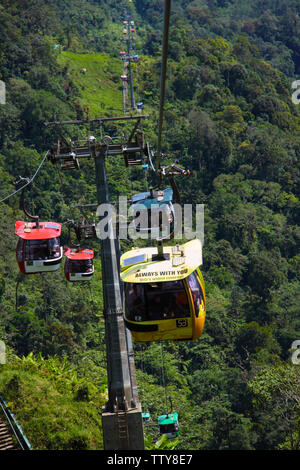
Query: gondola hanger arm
(21, 184)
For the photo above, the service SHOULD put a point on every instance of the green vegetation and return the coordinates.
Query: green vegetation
(58, 398)
(97, 77)
(230, 119)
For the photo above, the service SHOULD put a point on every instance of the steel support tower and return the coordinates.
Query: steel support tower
(128, 59)
(122, 416)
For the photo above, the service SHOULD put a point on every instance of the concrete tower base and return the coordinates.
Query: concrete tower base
(123, 430)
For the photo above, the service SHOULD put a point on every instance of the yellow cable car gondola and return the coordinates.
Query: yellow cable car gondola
(164, 293)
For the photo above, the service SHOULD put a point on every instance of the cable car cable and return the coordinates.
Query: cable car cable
(142, 369)
(149, 152)
(163, 373)
(29, 181)
(163, 76)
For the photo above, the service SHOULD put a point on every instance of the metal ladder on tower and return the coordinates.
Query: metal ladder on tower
(122, 426)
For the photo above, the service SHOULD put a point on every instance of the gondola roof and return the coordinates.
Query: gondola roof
(45, 230)
(159, 197)
(143, 265)
(170, 418)
(79, 253)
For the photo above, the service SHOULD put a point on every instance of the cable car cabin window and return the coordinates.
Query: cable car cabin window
(54, 247)
(167, 300)
(168, 428)
(154, 215)
(20, 246)
(152, 219)
(196, 291)
(135, 307)
(160, 301)
(80, 266)
(42, 249)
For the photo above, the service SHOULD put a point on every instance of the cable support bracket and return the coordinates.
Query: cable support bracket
(173, 170)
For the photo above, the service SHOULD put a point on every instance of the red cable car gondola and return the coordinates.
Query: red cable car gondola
(79, 264)
(38, 248)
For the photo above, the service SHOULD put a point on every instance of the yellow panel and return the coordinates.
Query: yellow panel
(174, 329)
(173, 335)
(183, 261)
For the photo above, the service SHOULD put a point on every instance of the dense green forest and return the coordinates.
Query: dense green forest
(230, 119)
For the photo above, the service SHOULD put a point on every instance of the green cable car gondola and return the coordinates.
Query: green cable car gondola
(146, 417)
(168, 425)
